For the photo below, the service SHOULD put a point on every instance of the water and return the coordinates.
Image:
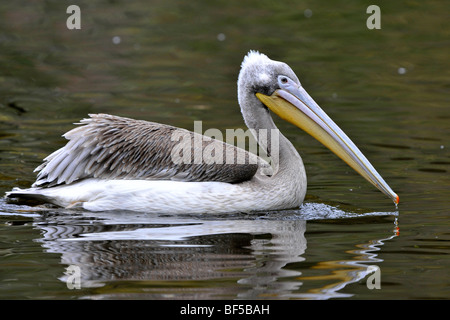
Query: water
(176, 62)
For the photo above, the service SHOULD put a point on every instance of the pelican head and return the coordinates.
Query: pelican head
(264, 85)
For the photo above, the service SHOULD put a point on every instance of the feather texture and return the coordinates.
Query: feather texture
(112, 147)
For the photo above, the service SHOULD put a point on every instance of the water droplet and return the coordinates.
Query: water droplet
(116, 40)
(221, 36)
(396, 227)
(308, 13)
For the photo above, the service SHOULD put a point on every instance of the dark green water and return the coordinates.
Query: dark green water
(176, 62)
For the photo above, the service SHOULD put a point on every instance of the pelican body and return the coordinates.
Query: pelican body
(116, 163)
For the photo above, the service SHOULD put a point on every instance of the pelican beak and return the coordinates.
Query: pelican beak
(297, 107)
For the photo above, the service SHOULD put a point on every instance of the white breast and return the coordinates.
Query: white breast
(166, 196)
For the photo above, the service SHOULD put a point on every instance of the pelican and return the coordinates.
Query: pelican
(116, 163)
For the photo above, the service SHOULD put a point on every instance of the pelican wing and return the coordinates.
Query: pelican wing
(112, 147)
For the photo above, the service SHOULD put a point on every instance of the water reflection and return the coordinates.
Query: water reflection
(161, 256)
(345, 272)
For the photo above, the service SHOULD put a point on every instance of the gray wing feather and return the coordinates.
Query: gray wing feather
(112, 147)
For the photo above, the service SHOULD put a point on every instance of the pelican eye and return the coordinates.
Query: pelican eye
(285, 82)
